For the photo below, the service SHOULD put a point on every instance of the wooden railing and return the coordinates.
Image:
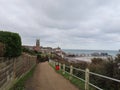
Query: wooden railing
(86, 72)
(13, 69)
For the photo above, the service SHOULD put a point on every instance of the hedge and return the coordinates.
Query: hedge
(12, 43)
(2, 47)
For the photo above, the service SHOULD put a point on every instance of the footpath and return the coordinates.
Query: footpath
(45, 78)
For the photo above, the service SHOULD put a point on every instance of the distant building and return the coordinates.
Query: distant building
(34, 48)
(58, 49)
(59, 52)
(37, 43)
(99, 54)
(37, 47)
(95, 54)
(46, 50)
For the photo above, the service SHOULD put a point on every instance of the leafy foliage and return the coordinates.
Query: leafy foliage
(12, 43)
(42, 57)
(2, 49)
(97, 60)
(110, 68)
(31, 52)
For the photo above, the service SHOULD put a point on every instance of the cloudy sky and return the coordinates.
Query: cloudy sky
(76, 24)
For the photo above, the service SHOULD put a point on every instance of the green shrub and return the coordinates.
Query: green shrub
(42, 57)
(2, 49)
(26, 50)
(108, 68)
(97, 60)
(12, 43)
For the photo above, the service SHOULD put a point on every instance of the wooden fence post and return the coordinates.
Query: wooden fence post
(49, 60)
(60, 65)
(54, 63)
(71, 72)
(63, 68)
(87, 79)
(14, 68)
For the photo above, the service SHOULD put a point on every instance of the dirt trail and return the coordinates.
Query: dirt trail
(45, 78)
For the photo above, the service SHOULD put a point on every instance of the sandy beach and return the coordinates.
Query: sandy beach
(86, 58)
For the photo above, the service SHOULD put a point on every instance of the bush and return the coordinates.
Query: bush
(108, 68)
(12, 43)
(26, 50)
(42, 57)
(2, 49)
(97, 60)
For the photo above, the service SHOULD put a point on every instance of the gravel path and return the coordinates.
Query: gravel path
(45, 78)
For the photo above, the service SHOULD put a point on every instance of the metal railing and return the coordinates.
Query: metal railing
(86, 72)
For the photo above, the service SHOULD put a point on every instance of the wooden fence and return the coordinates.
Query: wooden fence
(70, 70)
(13, 69)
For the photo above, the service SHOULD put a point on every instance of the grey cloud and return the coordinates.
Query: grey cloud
(81, 24)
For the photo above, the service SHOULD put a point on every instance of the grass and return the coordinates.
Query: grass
(20, 84)
(80, 84)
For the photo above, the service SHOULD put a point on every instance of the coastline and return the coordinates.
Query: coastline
(76, 55)
(88, 52)
(85, 59)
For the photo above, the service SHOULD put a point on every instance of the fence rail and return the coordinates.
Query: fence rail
(13, 69)
(87, 75)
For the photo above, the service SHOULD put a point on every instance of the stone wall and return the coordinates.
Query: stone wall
(13, 69)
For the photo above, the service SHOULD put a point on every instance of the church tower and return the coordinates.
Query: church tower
(37, 43)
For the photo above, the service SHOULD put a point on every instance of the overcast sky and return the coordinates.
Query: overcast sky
(76, 24)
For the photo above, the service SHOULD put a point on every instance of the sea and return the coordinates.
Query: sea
(79, 51)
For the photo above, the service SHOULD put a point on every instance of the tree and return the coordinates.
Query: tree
(2, 49)
(12, 43)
